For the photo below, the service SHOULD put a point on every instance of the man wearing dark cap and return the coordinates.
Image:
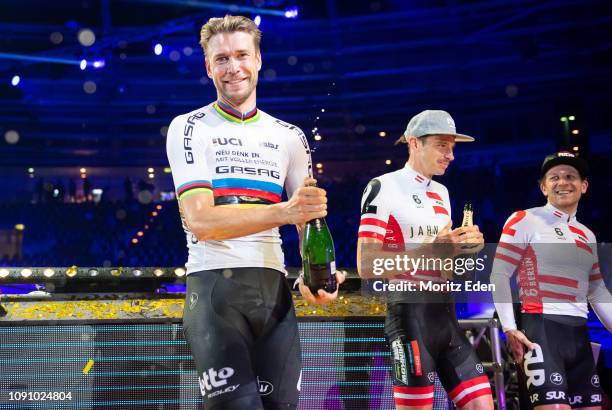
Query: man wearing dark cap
(402, 211)
(555, 257)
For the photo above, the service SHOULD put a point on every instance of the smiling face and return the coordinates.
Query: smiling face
(233, 63)
(563, 187)
(431, 155)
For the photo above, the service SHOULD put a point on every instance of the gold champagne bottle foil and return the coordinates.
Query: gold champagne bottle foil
(468, 215)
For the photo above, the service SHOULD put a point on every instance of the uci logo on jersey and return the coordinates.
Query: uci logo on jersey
(227, 141)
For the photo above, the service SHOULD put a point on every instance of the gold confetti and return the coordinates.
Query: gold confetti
(352, 304)
(72, 271)
(88, 366)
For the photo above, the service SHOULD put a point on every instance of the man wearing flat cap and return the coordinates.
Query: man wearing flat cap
(555, 259)
(407, 211)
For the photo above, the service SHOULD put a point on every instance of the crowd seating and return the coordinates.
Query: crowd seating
(101, 234)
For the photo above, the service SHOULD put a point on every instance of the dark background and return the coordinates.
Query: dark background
(506, 71)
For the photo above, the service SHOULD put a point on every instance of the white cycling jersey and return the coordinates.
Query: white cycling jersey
(555, 257)
(244, 160)
(404, 207)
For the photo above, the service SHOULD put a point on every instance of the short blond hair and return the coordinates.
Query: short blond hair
(229, 24)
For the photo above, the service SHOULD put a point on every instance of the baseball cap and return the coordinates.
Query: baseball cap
(565, 158)
(431, 122)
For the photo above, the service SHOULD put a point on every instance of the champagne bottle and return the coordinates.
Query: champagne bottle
(468, 220)
(468, 215)
(318, 257)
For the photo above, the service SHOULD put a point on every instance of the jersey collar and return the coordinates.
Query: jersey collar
(415, 177)
(234, 115)
(558, 214)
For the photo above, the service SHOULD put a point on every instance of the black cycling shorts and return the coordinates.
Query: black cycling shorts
(242, 331)
(561, 370)
(425, 339)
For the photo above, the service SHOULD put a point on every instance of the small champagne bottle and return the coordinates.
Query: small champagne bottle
(468, 215)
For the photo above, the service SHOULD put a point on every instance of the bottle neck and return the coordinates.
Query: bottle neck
(318, 223)
(468, 219)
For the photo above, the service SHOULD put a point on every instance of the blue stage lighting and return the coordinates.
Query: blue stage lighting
(15, 80)
(257, 20)
(291, 12)
(83, 64)
(73, 25)
(99, 63)
(158, 49)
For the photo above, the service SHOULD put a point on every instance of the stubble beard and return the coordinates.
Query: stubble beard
(240, 97)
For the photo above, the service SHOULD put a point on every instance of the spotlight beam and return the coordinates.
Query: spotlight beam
(39, 59)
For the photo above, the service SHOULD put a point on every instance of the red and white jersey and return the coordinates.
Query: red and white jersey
(404, 207)
(555, 257)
